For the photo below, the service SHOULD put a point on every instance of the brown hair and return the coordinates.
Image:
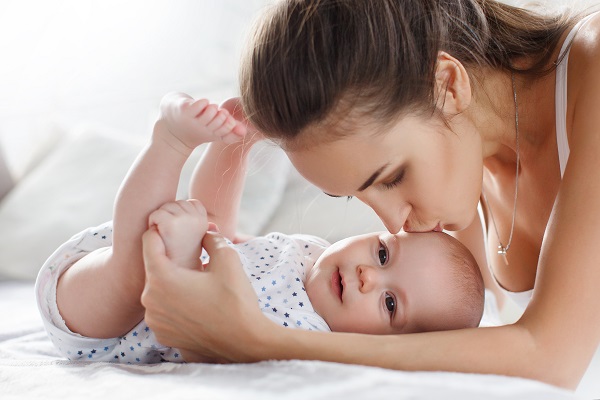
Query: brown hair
(314, 62)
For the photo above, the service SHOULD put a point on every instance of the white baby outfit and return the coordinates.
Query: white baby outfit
(276, 266)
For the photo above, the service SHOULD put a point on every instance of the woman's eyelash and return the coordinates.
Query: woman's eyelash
(397, 180)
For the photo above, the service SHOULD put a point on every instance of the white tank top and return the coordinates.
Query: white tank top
(521, 299)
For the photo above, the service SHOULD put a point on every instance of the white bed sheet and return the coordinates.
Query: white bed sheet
(31, 368)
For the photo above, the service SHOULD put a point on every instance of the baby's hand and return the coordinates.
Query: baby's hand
(181, 225)
(193, 122)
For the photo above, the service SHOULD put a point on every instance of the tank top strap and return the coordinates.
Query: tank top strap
(561, 95)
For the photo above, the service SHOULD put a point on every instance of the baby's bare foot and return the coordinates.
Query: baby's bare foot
(181, 225)
(193, 122)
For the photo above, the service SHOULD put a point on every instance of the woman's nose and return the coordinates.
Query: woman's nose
(368, 278)
(393, 217)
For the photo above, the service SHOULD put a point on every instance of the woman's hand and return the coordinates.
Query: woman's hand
(209, 315)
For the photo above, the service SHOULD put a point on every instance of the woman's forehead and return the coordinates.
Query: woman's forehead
(342, 166)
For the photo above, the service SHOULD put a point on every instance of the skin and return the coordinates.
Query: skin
(183, 124)
(554, 246)
(389, 284)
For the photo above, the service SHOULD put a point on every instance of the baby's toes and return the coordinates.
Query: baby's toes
(198, 106)
(231, 128)
(217, 123)
(239, 129)
(206, 117)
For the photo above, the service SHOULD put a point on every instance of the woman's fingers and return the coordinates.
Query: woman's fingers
(213, 314)
(153, 248)
(220, 252)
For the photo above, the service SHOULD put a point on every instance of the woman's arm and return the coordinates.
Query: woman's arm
(560, 328)
(553, 341)
(233, 328)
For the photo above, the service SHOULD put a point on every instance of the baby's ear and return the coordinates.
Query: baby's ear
(452, 85)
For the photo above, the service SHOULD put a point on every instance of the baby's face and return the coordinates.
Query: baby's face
(381, 283)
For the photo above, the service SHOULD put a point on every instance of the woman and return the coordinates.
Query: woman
(420, 109)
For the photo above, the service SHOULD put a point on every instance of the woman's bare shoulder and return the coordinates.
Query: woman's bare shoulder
(585, 49)
(584, 79)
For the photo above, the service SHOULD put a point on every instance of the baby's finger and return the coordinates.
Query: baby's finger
(158, 217)
(174, 207)
(197, 205)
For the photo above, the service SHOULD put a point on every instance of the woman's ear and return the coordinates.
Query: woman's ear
(452, 85)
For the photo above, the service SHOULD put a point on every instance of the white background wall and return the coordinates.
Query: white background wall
(110, 61)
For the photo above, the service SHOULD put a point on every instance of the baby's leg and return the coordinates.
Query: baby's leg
(218, 179)
(99, 296)
(181, 225)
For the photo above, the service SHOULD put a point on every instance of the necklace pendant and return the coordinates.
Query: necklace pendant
(502, 251)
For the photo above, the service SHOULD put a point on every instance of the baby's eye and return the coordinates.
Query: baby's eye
(390, 303)
(382, 254)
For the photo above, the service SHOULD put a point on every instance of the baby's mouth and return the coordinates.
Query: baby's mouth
(336, 283)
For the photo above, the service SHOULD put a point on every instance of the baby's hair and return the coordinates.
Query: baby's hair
(468, 283)
(312, 64)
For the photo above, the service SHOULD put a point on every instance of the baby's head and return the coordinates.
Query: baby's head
(381, 283)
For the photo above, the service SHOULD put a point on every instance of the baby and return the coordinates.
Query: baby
(89, 290)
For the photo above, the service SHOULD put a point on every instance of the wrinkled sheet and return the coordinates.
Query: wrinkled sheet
(31, 368)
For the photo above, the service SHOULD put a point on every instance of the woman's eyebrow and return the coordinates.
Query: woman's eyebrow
(367, 183)
(372, 178)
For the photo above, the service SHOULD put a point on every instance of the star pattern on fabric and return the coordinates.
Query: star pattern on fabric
(280, 258)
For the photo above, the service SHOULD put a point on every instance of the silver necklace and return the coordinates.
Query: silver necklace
(502, 249)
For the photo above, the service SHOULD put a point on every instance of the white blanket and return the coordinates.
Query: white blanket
(31, 368)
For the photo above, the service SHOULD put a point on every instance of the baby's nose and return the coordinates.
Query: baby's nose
(368, 278)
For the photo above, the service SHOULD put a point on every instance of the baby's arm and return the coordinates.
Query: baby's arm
(218, 180)
(99, 296)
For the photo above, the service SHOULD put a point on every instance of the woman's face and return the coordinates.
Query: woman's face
(418, 175)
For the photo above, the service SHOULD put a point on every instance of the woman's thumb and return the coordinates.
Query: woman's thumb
(153, 248)
(219, 251)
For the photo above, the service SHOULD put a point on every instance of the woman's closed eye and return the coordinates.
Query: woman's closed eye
(396, 180)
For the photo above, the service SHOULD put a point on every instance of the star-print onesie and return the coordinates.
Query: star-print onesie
(276, 266)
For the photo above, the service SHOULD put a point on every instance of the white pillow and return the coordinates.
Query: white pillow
(74, 187)
(6, 179)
